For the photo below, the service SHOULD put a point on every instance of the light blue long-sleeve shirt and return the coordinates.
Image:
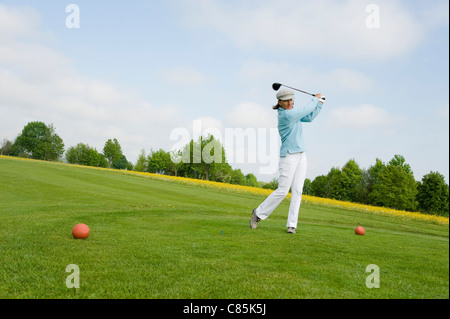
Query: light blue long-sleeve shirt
(290, 126)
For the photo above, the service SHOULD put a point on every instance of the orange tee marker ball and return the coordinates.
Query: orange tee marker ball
(80, 231)
(360, 230)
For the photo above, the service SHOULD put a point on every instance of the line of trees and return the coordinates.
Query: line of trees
(389, 185)
(112, 156)
(201, 159)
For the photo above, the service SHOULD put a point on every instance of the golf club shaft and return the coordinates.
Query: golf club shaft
(298, 90)
(322, 98)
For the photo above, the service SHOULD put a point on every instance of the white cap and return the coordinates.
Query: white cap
(285, 94)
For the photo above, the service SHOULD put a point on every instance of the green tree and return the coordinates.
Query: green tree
(142, 162)
(335, 189)
(273, 184)
(374, 174)
(38, 141)
(112, 151)
(212, 154)
(351, 178)
(307, 187)
(6, 147)
(221, 172)
(205, 159)
(250, 180)
(433, 194)
(396, 187)
(188, 167)
(120, 163)
(319, 186)
(176, 156)
(400, 162)
(159, 162)
(237, 177)
(72, 154)
(363, 188)
(83, 154)
(130, 166)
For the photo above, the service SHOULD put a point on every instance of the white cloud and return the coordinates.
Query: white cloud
(326, 27)
(261, 74)
(248, 114)
(38, 83)
(360, 117)
(207, 125)
(19, 21)
(346, 79)
(337, 79)
(182, 76)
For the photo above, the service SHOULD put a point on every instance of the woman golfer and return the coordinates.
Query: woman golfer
(292, 157)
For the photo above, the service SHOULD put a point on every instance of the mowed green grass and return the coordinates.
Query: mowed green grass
(159, 239)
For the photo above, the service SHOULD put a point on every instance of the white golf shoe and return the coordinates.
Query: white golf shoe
(291, 230)
(254, 220)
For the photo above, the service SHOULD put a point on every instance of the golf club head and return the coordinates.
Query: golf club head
(276, 86)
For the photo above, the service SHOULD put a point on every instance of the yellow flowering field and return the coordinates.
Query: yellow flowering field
(260, 191)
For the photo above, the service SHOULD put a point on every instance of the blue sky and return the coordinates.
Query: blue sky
(138, 70)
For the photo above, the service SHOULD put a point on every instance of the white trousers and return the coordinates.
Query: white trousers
(292, 175)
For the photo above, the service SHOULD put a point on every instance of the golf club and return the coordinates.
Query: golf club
(276, 86)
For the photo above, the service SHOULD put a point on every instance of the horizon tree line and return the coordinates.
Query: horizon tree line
(389, 185)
